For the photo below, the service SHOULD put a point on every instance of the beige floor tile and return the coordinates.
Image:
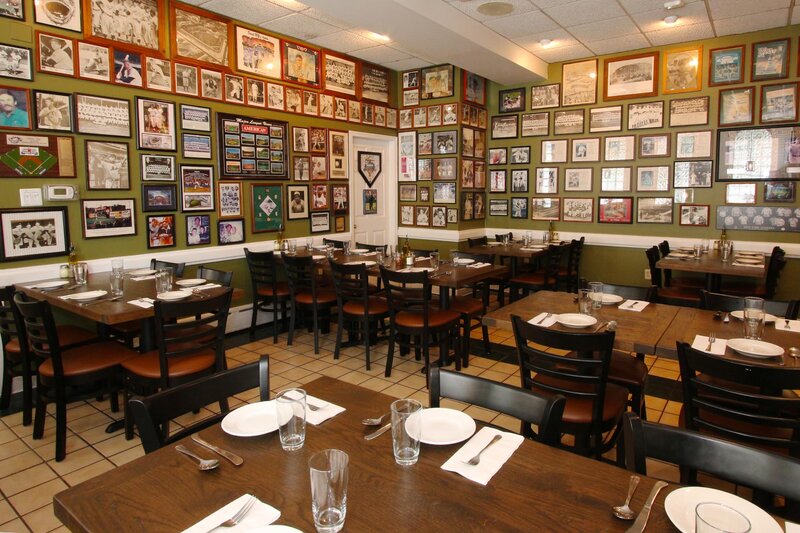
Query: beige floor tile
(414, 381)
(42, 519)
(61, 529)
(116, 445)
(422, 397)
(506, 422)
(7, 513)
(316, 366)
(278, 382)
(473, 370)
(13, 448)
(127, 456)
(481, 362)
(75, 460)
(97, 434)
(18, 526)
(296, 373)
(494, 376)
(48, 451)
(13, 420)
(7, 435)
(356, 378)
(479, 413)
(88, 422)
(88, 472)
(654, 402)
(37, 497)
(653, 415)
(669, 419)
(507, 368)
(376, 384)
(399, 391)
(673, 407)
(249, 357)
(25, 479)
(662, 373)
(334, 371)
(18, 463)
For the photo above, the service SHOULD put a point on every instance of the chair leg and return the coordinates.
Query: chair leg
(41, 410)
(389, 355)
(61, 426)
(365, 324)
(339, 336)
(5, 392)
(315, 321)
(254, 319)
(487, 347)
(465, 341)
(291, 324)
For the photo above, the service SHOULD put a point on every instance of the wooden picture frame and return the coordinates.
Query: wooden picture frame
(21, 245)
(128, 68)
(535, 124)
(520, 178)
(778, 103)
(110, 217)
(187, 80)
(578, 179)
(474, 88)
(65, 16)
(94, 61)
(726, 66)
(770, 60)
(615, 179)
(586, 150)
(647, 115)
(554, 151)
(505, 127)
(615, 210)
(340, 74)
(694, 214)
(20, 68)
(158, 74)
(652, 179)
(779, 191)
(546, 209)
(519, 208)
(229, 199)
(655, 145)
(374, 83)
(99, 24)
(155, 124)
(14, 10)
(297, 196)
(520, 155)
(266, 206)
(619, 148)
(692, 174)
(444, 192)
(633, 76)
(422, 215)
(257, 53)
(740, 193)
(683, 70)
(199, 36)
(497, 181)
(437, 82)
(545, 96)
(159, 197)
(195, 118)
(602, 119)
(578, 210)
(157, 167)
(546, 180)
(101, 115)
(53, 111)
(762, 153)
(579, 81)
(56, 54)
(689, 111)
(736, 106)
(498, 207)
(107, 166)
(301, 64)
(693, 144)
(654, 210)
(568, 122)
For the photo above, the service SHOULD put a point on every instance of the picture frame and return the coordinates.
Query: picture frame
(779, 191)
(158, 74)
(53, 111)
(155, 124)
(301, 64)
(160, 231)
(199, 36)
(196, 146)
(195, 118)
(602, 119)
(519, 208)
(726, 66)
(445, 142)
(444, 193)
(654, 210)
(56, 54)
(474, 89)
(410, 97)
(693, 144)
(647, 115)
(740, 193)
(276, 97)
(450, 115)
(370, 201)
(107, 166)
(150, 14)
(655, 145)
(568, 122)
(498, 156)
(535, 124)
(198, 230)
(479, 206)
(736, 106)
(546, 209)
(452, 215)
(36, 156)
(683, 68)
(554, 151)
(632, 76)
(94, 62)
(498, 207)
(297, 196)
(266, 205)
(197, 188)
(234, 89)
(62, 16)
(318, 140)
(652, 179)
(320, 201)
(578, 210)
(310, 103)
(340, 74)
(520, 155)
(586, 150)
(434, 116)
(468, 174)
(511, 100)
(257, 53)
(545, 96)
(406, 119)
(579, 80)
(407, 193)
(615, 210)
(243, 142)
(546, 180)
(519, 180)
(34, 233)
(300, 139)
(375, 83)
(229, 203)
(615, 179)
(13, 10)
(770, 60)
(425, 143)
(407, 162)
(422, 215)
(338, 154)
(128, 68)
(467, 200)
(424, 169)
(410, 79)
(339, 223)
(445, 168)
(406, 215)
(683, 196)
(778, 103)
(578, 179)
(620, 148)
(161, 197)
(738, 153)
(110, 217)
(480, 174)
(437, 82)
(19, 65)
(187, 80)
(211, 86)
(420, 117)
(301, 168)
(497, 181)
(694, 214)
(424, 194)
(467, 142)
(692, 174)
(230, 231)
(101, 115)
(756, 218)
(157, 167)
(326, 107)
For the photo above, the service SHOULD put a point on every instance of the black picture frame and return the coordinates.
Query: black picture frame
(159, 197)
(160, 231)
(198, 230)
(780, 160)
(230, 231)
(19, 247)
(511, 100)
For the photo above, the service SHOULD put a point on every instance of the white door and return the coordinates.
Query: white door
(373, 207)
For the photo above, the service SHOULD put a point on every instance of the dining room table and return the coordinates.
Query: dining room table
(539, 488)
(514, 250)
(741, 263)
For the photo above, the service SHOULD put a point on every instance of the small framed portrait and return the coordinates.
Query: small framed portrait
(198, 230)
(94, 62)
(341, 198)
(467, 174)
(16, 62)
(425, 143)
(568, 122)
(110, 217)
(159, 197)
(535, 124)
(256, 93)
(479, 206)
(498, 156)
(319, 167)
(578, 210)
(694, 214)
(654, 145)
(326, 108)
(410, 97)
(230, 231)
(310, 103)
(234, 89)
(740, 193)
(445, 168)
(616, 179)
(298, 201)
(422, 215)
(196, 146)
(497, 181)
(693, 144)
(545, 96)
(319, 198)
(13, 9)
(615, 210)
(158, 74)
(480, 174)
(160, 231)
(157, 167)
(34, 232)
(779, 103)
(128, 68)
(56, 54)
(520, 155)
(197, 188)
(646, 115)
(439, 216)
(450, 114)
(578, 179)
(519, 180)
(407, 215)
(779, 191)
(299, 139)
(411, 79)
(519, 208)
(505, 127)
(452, 215)
(546, 180)
(301, 168)
(424, 194)
(474, 88)
(692, 174)
(605, 119)
(580, 83)
(770, 60)
(318, 140)
(467, 212)
(654, 210)
(498, 208)
(155, 124)
(445, 142)
(683, 69)
(424, 169)
(467, 142)
(586, 150)
(621, 84)
(554, 151)
(107, 166)
(434, 116)
(736, 106)
(186, 80)
(53, 111)
(444, 193)
(512, 100)
(420, 117)
(195, 118)
(211, 84)
(370, 201)
(545, 208)
(230, 199)
(301, 64)
(437, 82)
(726, 66)
(652, 179)
(339, 223)
(621, 148)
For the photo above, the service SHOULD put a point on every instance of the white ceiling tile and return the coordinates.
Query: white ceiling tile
(333, 21)
(619, 44)
(681, 34)
(796, 14)
(604, 29)
(300, 27)
(408, 64)
(584, 11)
(560, 37)
(253, 11)
(653, 20)
(343, 41)
(196, 2)
(557, 54)
(641, 6)
(736, 8)
(752, 22)
(542, 4)
(470, 8)
(380, 54)
(519, 25)
(292, 5)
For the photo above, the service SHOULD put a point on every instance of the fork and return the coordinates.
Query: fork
(235, 519)
(477, 459)
(712, 338)
(548, 315)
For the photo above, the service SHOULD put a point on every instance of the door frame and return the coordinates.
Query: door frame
(388, 172)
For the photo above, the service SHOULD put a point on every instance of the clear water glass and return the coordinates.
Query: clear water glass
(80, 271)
(346, 246)
(292, 247)
(163, 280)
(406, 431)
(117, 265)
(116, 280)
(712, 517)
(328, 471)
(309, 244)
(290, 405)
(434, 257)
(753, 318)
(698, 250)
(584, 302)
(596, 289)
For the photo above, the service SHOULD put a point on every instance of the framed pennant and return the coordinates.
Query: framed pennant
(369, 166)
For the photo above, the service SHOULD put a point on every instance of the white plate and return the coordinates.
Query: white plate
(680, 254)
(755, 348)
(251, 420)
(316, 257)
(367, 263)
(441, 426)
(751, 254)
(747, 261)
(173, 296)
(532, 248)
(607, 299)
(768, 318)
(575, 320)
(143, 272)
(494, 244)
(420, 269)
(50, 284)
(463, 261)
(680, 505)
(358, 251)
(190, 282)
(87, 296)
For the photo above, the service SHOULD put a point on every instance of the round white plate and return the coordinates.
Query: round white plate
(575, 320)
(748, 261)
(358, 251)
(251, 420)
(680, 505)
(367, 263)
(50, 284)
(316, 257)
(421, 269)
(751, 254)
(190, 282)
(607, 299)
(88, 296)
(173, 296)
(686, 249)
(143, 272)
(463, 261)
(768, 318)
(441, 426)
(532, 248)
(680, 254)
(755, 348)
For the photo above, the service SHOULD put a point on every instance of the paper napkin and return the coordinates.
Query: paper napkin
(326, 410)
(701, 343)
(738, 264)
(145, 303)
(479, 265)
(546, 323)
(492, 459)
(259, 515)
(792, 527)
(794, 325)
(142, 278)
(628, 305)
(207, 286)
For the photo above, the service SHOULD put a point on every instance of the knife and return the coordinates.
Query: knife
(378, 433)
(641, 520)
(232, 457)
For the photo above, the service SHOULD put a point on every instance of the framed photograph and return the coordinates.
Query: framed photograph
(128, 67)
(547, 180)
(467, 142)
(740, 193)
(102, 21)
(317, 140)
(301, 168)
(452, 215)
(615, 210)
(197, 188)
(615, 179)
(554, 151)
(230, 199)
(445, 168)
(160, 231)
(326, 107)
(155, 124)
(420, 117)
(253, 147)
(498, 156)
(621, 148)
(99, 115)
(298, 202)
(234, 89)
(568, 122)
(186, 80)
(683, 69)
(310, 103)
(652, 179)
(301, 64)
(267, 206)
(157, 167)
(339, 223)
(410, 79)
(257, 53)
(410, 97)
(56, 54)
(424, 194)
(276, 97)
(512, 100)
(53, 111)
(111, 217)
(434, 116)
(195, 118)
(422, 215)
(437, 82)
(479, 206)
(535, 124)
(694, 214)
(107, 166)
(406, 215)
(408, 193)
(726, 66)
(770, 60)
(654, 145)
(545, 208)
(230, 231)
(320, 200)
(299, 139)
(756, 218)
(211, 84)
(467, 210)
(445, 142)
(580, 83)
(425, 143)
(199, 35)
(468, 174)
(196, 146)
(578, 179)
(759, 154)
(406, 119)
(13, 10)
(683, 196)
(337, 153)
(33, 233)
(198, 230)
(578, 210)
(694, 174)
(692, 144)
(498, 208)
(520, 155)
(634, 76)
(519, 180)
(605, 119)
(779, 103)
(94, 62)
(158, 73)
(17, 63)
(654, 210)
(66, 16)
(545, 96)
(779, 191)
(425, 169)
(374, 83)
(407, 144)
(444, 193)
(474, 89)
(450, 115)
(645, 116)
(480, 174)
(519, 208)
(497, 181)
(736, 106)
(159, 198)
(586, 150)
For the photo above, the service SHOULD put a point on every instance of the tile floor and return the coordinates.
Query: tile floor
(29, 476)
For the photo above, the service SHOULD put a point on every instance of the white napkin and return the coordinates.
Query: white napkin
(416, 259)
(259, 515)
(532, 248)
(491, 460)
(794, 325)
(545, 323)
(738, 264)
(479, 265)
(145, 303)
(791, 527)
(207, 286)
(701, 343)
(81, 295)
(326, 410)
(142, 278)
(494, 244)
(640, 304)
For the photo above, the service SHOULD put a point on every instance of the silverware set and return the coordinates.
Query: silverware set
(477, 458)
(712, 338)
(101, 300)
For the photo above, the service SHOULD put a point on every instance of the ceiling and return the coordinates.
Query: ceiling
(407, 34)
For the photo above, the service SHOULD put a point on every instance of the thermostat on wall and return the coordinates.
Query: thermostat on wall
(54, 193)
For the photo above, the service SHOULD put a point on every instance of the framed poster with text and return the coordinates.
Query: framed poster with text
(252, 147)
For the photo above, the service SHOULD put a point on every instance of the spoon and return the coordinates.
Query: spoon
(374, 421)
(794, 352)
(203, 464)
(624, 511)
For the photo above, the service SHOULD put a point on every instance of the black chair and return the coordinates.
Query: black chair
(531, 408)
(685, 296)
(499, 236)
(372, 247)
(472, 309)
(67, 375)
(269, 294)
(693, 451)
(669, 281)
(223, 277)
(153, 413)
(569, 277)
(542, 280)
(307, 296)
(177, 268)
(336, 244)
(594, 406)
(767, 289)
(500, 281)
(423, 253)
(477, 241)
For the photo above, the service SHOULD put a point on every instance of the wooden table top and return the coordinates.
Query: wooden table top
(711, 263)
(539, 489)
(514, 249)
(636, 331)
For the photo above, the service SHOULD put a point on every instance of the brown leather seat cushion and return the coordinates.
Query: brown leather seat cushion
(627, 370)
(89, 358)
(67, 336)
(281, 290)
(324, 296)
(579, 410)
(467, 305)
(436, 318)
(377, 306)
(147, 364)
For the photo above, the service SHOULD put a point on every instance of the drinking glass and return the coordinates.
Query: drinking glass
(116, 280)
(753, 318)
(406, 431)
(328, 472)
(285, 245)
(698, 250)
(309, 244)
(584, 302)
(292, 247)
(79, 272)
(455, 255)
(435, 260)
(596, 288)
(329, 250)
(505, 239)
(712, 517)
(163, 280)
(346, 247)
(291, 410)
(528, 238)
(705, 246)
(545, 237)
(727, 248)
(117, 265)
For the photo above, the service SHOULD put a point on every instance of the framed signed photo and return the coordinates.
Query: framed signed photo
(736, 106)
(34, 232)
(229, 203)
(770, 60)
(579, 80)
(633, 76)
(654, 210)
(107, 166)
(512, 100)
(615, 210)
(545, 96)
(160, 231)
(257, 53)
(199, 35)
(18, 62)
(101, 23)
(694, 214)
(437, 82)
(53, 111)
(340, 74)
(156, 128)
(301, 64)
(779, 103)
(159, 197)
(111, 217)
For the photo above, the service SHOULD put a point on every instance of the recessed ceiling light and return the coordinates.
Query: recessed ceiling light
(672, 19)
(495, 9)
(546, 43)
(673, 4)
(379, 37)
